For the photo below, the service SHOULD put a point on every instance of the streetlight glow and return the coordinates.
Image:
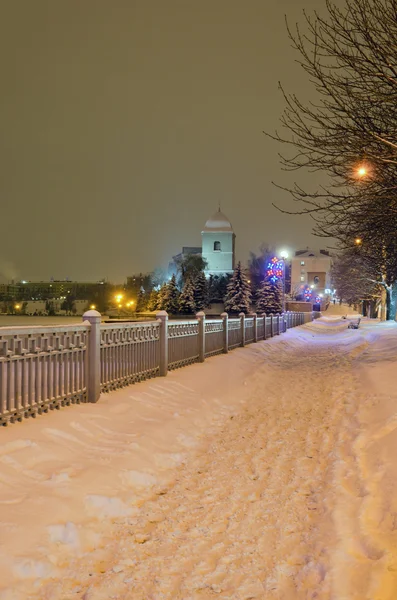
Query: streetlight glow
(358, 241)
(93, 307)
(284, 254)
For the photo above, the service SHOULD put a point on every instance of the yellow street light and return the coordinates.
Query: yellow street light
(358, 241)
(119, 297)
(17, 306)
(362, 171)
(93, 306)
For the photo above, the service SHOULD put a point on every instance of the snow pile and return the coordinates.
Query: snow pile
(267, 473)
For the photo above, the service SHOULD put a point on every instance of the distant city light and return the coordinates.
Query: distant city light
(93, 307)
(358, 241)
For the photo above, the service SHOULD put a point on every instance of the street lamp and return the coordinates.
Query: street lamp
(284, 256)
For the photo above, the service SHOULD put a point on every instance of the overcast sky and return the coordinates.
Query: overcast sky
(123, 123)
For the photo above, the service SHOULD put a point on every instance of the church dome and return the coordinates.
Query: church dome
(218, 222)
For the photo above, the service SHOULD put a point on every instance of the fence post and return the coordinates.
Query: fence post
(242, 326)
(264, 326)
(93, 355)
(201, 335)
(255, 317)
(271, 326)
(225, 318)
(162, 317)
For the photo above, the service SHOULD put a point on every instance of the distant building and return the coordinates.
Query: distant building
(218, 247)
(311, 268)
(54, 290)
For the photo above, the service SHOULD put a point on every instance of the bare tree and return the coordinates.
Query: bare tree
(349, 131)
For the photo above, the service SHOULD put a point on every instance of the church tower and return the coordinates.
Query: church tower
(218, 241)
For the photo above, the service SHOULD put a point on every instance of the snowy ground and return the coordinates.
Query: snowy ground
(269, 473)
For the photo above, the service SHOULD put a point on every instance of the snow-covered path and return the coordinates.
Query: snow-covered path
(277, 485)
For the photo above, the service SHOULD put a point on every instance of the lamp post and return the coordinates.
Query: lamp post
(284, 256)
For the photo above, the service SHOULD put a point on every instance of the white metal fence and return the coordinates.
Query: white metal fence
(44, 368)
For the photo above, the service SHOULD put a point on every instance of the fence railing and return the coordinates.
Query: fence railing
(41, 368)
(44, 368)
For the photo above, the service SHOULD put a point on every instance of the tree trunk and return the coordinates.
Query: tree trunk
(383, 304)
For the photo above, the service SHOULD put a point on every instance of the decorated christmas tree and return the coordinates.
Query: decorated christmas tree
(238, 296)
(153, 301)
(200, 291)
(187, 304)
(142, 301)
(171, 297)
(269, 297)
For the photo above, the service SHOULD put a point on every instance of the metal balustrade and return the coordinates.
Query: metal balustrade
(183, 346)
(214, 342)
(43, 368)
(261, 328)
(234, 333)
(130, 352)
(249, 330)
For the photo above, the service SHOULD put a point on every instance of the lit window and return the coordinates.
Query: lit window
(217, 246)
(302, 263)
(302, 278)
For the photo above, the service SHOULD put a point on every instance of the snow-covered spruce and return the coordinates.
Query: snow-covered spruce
(171, 297)
(238, 296)
(269, 297)
(200, 291)
(186, 303)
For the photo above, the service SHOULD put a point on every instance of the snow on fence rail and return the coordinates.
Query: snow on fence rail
(42, 368)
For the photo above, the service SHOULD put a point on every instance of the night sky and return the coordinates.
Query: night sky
(123, 123)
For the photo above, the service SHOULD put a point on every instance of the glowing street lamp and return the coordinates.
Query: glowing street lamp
(93, 306)
(358, 241)
(17, 306)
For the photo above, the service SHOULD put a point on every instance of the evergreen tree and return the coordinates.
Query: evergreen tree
(187, 304)
(238, 296)
(142, 301)
(161, 297)
(171, 297)
(200, 291)
(269, 297)
(153, 301)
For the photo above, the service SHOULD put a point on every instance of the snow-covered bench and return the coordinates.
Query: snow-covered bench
(354, 324)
